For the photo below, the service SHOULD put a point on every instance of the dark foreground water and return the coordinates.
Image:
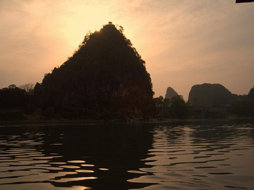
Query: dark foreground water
(196, 156)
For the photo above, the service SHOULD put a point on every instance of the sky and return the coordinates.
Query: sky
(183, 42)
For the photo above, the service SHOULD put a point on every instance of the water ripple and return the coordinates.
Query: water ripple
(158, 157)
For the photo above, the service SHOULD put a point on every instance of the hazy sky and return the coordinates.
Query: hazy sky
(184, 42)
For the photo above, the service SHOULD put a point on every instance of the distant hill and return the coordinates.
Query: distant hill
(105, 78)
(209, 95)
(170, 93)
(251, 94)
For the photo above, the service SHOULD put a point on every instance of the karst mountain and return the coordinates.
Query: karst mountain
(105, 78)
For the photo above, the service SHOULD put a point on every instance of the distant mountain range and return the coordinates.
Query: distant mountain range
(210, 95)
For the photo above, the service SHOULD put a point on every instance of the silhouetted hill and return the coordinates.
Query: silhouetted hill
(209, 95)
(170, 93)
(251, 94)
(105, 78)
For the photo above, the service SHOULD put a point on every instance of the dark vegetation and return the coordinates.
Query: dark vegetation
(174, 108)
(107, 79)
(13, 102)
(16, 102)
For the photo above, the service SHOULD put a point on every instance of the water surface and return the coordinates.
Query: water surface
(211, 155)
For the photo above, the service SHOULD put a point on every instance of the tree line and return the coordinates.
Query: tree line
(18, 101)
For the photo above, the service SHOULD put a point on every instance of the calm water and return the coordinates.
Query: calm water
(211, 155)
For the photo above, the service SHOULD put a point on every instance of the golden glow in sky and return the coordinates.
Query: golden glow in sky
(183, 42)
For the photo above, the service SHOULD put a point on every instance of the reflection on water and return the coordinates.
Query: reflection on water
(172, 156)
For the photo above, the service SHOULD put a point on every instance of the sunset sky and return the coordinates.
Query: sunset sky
(184, 42)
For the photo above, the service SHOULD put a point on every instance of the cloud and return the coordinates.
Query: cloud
(204, 41)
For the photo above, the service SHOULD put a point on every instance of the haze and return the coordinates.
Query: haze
(184, 42)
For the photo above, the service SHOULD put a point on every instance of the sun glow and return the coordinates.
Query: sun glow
(80, 23)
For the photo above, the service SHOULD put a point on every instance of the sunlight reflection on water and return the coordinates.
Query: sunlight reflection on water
(189, 156)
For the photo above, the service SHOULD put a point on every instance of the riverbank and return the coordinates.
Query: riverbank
(86, 122)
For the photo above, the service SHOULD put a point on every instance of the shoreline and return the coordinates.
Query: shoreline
(65, 122)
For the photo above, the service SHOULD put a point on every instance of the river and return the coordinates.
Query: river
(182, 155)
